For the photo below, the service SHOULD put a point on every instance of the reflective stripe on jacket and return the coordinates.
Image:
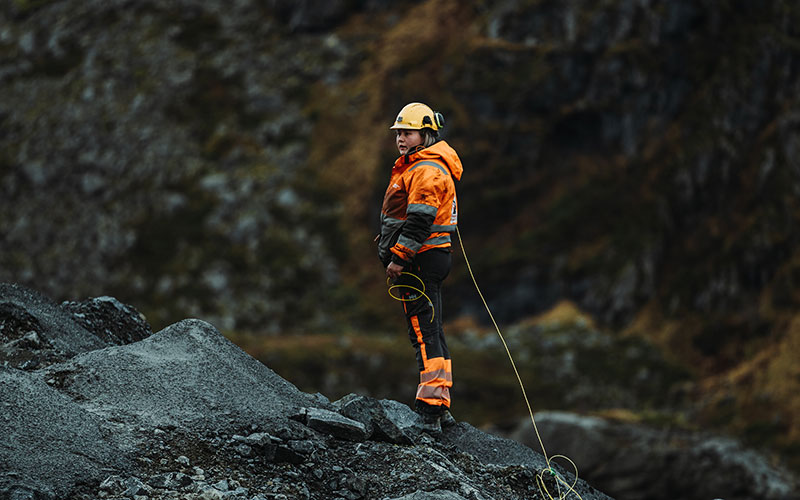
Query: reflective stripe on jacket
(421, 188)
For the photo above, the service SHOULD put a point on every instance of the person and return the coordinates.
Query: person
(418, 217)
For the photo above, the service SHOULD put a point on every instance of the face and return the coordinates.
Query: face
(407, 139)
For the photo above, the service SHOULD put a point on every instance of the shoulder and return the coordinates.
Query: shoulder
(430, 166)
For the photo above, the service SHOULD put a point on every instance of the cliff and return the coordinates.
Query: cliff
(225, 160)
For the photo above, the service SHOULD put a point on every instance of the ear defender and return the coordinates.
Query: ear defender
(439, 119)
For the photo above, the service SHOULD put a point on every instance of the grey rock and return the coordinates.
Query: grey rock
(35, 332)
(170, 480)
(285, 454)
(303, 446)
(134, 487)
(111, 483)
(109, 319)
(30, 341)
(187, 373)
(258, 439)
(22, 493)
(23, 310)
(357, 408)
(244, 450)
(160, 480)
(373, 414)
(124, 409)
(335, 424)
(401, 417)
(492, 450)
(239, 492)
(431, 495)
(49, 440)
(209, 493)
(640, 462)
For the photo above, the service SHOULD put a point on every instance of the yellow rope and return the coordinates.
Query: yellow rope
(539, 478)
(421, 292)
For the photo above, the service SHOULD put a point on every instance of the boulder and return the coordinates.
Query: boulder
(380, 424)
(109, 319)
(639, 462)
(335, 424)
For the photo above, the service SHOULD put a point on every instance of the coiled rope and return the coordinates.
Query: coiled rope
(410, 298)
(562, 488)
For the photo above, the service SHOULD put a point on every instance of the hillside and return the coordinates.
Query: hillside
(184, 413)
(99, 406)
(226, 160)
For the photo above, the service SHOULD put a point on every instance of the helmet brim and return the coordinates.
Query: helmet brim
(404, 127)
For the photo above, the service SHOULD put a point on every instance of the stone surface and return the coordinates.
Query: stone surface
(109, 319)
(35, 332)
(187, 375)
(335, 424)
(646, 463)
(431, 495)
(373, 414)
(50, 443)
(185, 413)
(23, 310)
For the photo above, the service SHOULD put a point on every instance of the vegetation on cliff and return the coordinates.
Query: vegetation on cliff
(638, 159)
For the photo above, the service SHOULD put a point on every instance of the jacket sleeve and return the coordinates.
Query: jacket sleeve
(416, 230)
(424, 197)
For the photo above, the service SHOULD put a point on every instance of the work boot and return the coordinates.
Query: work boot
(431, 424)
(447, 419)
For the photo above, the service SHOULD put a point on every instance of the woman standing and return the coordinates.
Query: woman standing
(419, 215)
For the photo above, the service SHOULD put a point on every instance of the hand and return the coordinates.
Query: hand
(393, 270)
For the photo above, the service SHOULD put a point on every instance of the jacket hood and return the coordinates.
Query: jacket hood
(440, 151)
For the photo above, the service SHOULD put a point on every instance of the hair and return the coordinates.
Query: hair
(429, 137)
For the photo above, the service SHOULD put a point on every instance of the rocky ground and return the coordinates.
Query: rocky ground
(95, 406)
(640, 462)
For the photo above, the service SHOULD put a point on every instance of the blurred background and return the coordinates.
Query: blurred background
(630, 202)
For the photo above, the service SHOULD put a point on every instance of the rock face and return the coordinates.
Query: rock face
(109, 319)
(172, 130)
(184, 413)
(637, 157)
(36, 332)
(640, 463)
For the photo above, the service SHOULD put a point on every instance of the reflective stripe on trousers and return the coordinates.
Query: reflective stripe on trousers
(433, 357)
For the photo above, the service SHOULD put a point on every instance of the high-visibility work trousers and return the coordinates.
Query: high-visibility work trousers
(427, 337)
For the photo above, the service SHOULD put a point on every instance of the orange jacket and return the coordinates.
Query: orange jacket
(420, 210)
